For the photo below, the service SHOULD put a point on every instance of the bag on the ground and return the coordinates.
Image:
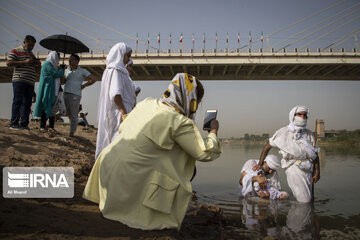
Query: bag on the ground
(59, 108)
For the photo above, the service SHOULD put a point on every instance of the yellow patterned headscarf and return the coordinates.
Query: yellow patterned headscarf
(181, 94)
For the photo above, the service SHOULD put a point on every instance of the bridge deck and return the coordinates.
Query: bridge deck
(228, 66)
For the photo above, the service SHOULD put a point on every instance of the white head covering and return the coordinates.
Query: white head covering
(53, 58)
(273, 162)
(297, 141)
(115, 58)
(297, 109)
(181, 94)
(292, 126)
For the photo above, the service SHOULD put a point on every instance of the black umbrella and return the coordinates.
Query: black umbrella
(64, 43)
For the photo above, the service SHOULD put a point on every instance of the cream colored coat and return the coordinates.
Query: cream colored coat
(142, 178)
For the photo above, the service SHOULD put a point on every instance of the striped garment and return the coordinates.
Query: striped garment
(25, 73)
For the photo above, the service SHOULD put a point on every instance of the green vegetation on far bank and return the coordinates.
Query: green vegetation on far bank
(349, 138)
(345, 142)
(248, 139)
(341, 139)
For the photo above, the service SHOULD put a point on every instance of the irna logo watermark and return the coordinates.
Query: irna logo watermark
(38, 182)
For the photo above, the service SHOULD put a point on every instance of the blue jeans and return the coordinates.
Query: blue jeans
(21, 106)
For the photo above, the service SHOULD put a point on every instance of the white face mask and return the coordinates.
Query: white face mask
(299, 121)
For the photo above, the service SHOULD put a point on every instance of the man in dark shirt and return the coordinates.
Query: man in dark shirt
(23, 80)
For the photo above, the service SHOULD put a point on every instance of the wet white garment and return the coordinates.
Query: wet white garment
(300, 182)
(293, 149)
(247, 187)
(251, 189)
(273, 192)
(53, 58)
(296, 146)
(115, 81)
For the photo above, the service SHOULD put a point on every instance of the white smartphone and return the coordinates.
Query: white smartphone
(209, 116)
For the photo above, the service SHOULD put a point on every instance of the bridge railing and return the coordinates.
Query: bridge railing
(249, 50)
(243, 51)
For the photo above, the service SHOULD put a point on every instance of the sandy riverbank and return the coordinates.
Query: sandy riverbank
(77, 218)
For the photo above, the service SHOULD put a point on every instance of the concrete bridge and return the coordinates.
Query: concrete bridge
(307, 65)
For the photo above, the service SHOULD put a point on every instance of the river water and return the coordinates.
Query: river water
(335, 213)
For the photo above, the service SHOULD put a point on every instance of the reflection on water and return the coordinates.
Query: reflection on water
(265, 218)
(334, 215)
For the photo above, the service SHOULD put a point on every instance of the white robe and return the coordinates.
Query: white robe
(115, 81)
(247, 189)
(109, 117)
(273, 192)
(296, 161)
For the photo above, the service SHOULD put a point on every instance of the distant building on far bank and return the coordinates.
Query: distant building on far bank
(321, 132)
(320, 128)
(333, 133)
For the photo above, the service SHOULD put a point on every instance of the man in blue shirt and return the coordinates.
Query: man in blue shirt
(74, 78)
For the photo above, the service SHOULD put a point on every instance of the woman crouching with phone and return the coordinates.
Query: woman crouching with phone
(142, 178)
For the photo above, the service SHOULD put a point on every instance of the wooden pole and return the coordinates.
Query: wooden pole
(315, 140)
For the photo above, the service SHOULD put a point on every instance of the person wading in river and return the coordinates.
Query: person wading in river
(295, 143)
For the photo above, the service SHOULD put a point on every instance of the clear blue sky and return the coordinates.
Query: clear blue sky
(244, 106)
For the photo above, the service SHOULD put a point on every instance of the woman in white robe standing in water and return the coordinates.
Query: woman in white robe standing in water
(296, 145)
(117, 96)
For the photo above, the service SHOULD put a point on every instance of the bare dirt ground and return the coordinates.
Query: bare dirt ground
(77, 218)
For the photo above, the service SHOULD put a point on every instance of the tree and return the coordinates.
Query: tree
(246, 137)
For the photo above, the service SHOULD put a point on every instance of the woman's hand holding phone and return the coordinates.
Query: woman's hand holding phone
(214, 126)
